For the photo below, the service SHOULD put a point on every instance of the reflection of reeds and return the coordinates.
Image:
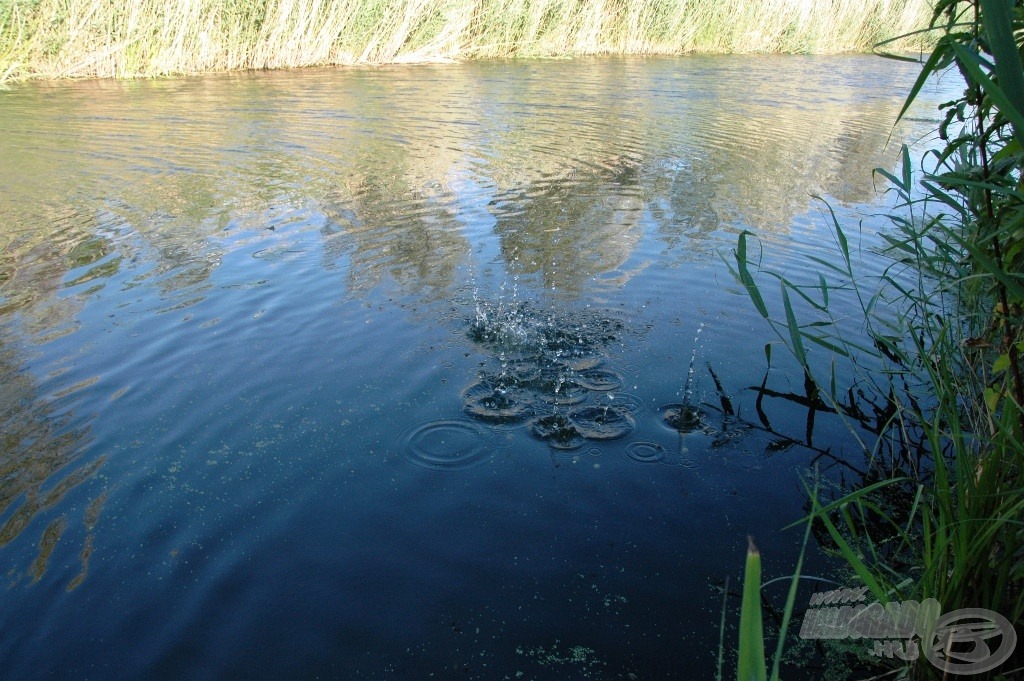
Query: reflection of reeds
(403, 157)
(39, 466)
(85, 38)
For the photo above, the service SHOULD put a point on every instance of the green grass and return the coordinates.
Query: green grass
(937, 400)
(104, 38)
(751, 661)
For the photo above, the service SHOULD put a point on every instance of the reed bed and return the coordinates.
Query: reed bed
(938, 402)
(146, 38)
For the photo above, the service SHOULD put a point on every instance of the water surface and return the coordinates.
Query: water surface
(365, 373)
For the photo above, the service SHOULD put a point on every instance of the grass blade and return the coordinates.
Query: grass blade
(997, 17)
(794, 328)
(787, 612)
(969, 60)
(751, 664)
(745, 277)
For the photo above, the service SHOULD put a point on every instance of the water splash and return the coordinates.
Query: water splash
(548, 359)
(558, 431)
(687, 417)
(492, 401)
(602, 422)
(688, 386)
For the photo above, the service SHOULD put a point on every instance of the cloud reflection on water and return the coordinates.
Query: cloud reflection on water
(401, 173)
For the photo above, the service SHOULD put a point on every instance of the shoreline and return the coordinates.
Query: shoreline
(913, 55)
(76, 39)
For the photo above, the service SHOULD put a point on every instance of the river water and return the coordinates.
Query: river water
(364, 374)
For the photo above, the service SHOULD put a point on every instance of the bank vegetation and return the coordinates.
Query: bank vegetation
(937, 407)
(146, 38)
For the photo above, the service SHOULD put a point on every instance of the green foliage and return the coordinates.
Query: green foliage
(939, 512)
(751, 663)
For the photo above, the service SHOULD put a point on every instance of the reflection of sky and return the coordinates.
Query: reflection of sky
(410, 169)
(571, 173)
(473, 195)
(241, 290)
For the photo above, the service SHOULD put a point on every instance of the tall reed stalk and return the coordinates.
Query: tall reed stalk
(104, 38)
(938, 399)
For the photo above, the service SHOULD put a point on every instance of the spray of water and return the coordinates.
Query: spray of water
(688, 386)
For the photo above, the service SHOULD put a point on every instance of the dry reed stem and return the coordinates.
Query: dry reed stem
(111, 38)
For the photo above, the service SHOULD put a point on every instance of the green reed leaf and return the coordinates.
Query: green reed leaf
(751, 664)
(746, 278)
(971, 63)
(997, 18)
(794, 329)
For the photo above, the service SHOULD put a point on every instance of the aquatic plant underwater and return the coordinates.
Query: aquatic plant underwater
(931, 383)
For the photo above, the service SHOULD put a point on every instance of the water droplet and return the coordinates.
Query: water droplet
(684, 418)
(602, 422)
(558, 431)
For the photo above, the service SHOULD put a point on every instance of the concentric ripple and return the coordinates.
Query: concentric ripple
(602, 422)
(522, 371)
(685, 418)
(444, 445)
(558, 431)
(567, 391)
(601, 380)
(493, 403)
(646, 452)
(628, 401)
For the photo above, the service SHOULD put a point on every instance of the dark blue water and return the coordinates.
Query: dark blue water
(276, 351)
